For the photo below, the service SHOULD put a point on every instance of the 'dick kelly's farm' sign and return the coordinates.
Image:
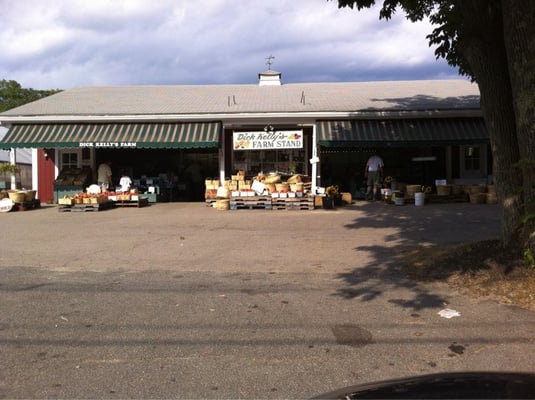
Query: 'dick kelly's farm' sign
(268, 140)
(108, 144)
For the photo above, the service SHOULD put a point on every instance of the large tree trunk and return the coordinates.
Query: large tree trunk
(482, 44)
(519, 35)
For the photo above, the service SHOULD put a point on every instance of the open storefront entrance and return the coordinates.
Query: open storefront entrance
(169, 160)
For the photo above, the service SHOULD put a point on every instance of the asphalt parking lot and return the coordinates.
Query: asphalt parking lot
(182, 300)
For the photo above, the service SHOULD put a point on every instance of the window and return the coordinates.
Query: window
(472, 158)
(266, 161)
(69, 160)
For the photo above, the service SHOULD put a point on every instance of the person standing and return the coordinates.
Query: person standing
(125, 182)
(373, 172)
(104, 175)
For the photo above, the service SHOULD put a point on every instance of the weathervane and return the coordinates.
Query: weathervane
(269, 61)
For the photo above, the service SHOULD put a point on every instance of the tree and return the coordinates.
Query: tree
(13, 95)
(492, 42)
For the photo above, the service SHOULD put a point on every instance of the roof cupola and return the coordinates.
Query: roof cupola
(269, 77)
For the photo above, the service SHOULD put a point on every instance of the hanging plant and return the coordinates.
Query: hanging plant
(4, 168)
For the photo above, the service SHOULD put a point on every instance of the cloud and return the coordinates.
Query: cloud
(67, 43)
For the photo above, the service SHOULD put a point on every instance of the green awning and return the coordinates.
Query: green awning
(120, 135)
(401, 132)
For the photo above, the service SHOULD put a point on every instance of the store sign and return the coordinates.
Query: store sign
(109, 145)
(268, 140)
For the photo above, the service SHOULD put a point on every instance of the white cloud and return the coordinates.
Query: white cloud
(66, 43)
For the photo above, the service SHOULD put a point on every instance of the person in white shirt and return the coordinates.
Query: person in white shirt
(125, 183)
(373, 172)
(104, 175)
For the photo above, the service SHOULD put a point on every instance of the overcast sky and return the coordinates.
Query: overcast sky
(60, 44)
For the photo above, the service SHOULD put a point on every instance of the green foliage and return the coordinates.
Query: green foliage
(332, 190)
(12, 95)
(4, 168)
(529, 259)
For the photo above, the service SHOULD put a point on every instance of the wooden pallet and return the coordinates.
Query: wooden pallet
(132, 203)
(26, 205)
(87, 207)
(435, 198)
(293, 203)
(250, 203)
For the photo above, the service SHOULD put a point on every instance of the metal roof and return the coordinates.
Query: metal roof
(87, 103)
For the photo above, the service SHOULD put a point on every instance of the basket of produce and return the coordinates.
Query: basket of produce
(444, 190)
(476, 189)
(282, 187)
(270, 187)
(272, 178)
(491, 198)
(222, 204)
(412, 189)
(16, 196)
(478, 198)
(456, 190)
(29, 195)
(297, 187)
(66, 201)
(294, 179)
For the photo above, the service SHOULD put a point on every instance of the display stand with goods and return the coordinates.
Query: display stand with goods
(442, 192)
(94, 200)
(84, 202)
(261, 192)
(71, 181)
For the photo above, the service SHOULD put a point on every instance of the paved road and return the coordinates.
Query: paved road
(181, 300)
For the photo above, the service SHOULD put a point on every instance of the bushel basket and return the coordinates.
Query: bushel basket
(16, 196)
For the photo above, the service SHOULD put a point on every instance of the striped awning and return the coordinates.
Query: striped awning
(401, 132)
(114, 135)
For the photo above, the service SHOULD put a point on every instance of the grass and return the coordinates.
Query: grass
(481, 269)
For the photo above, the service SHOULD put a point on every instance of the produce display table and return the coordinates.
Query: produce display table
(84, 207)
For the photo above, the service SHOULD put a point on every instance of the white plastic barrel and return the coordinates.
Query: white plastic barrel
(419, 199)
